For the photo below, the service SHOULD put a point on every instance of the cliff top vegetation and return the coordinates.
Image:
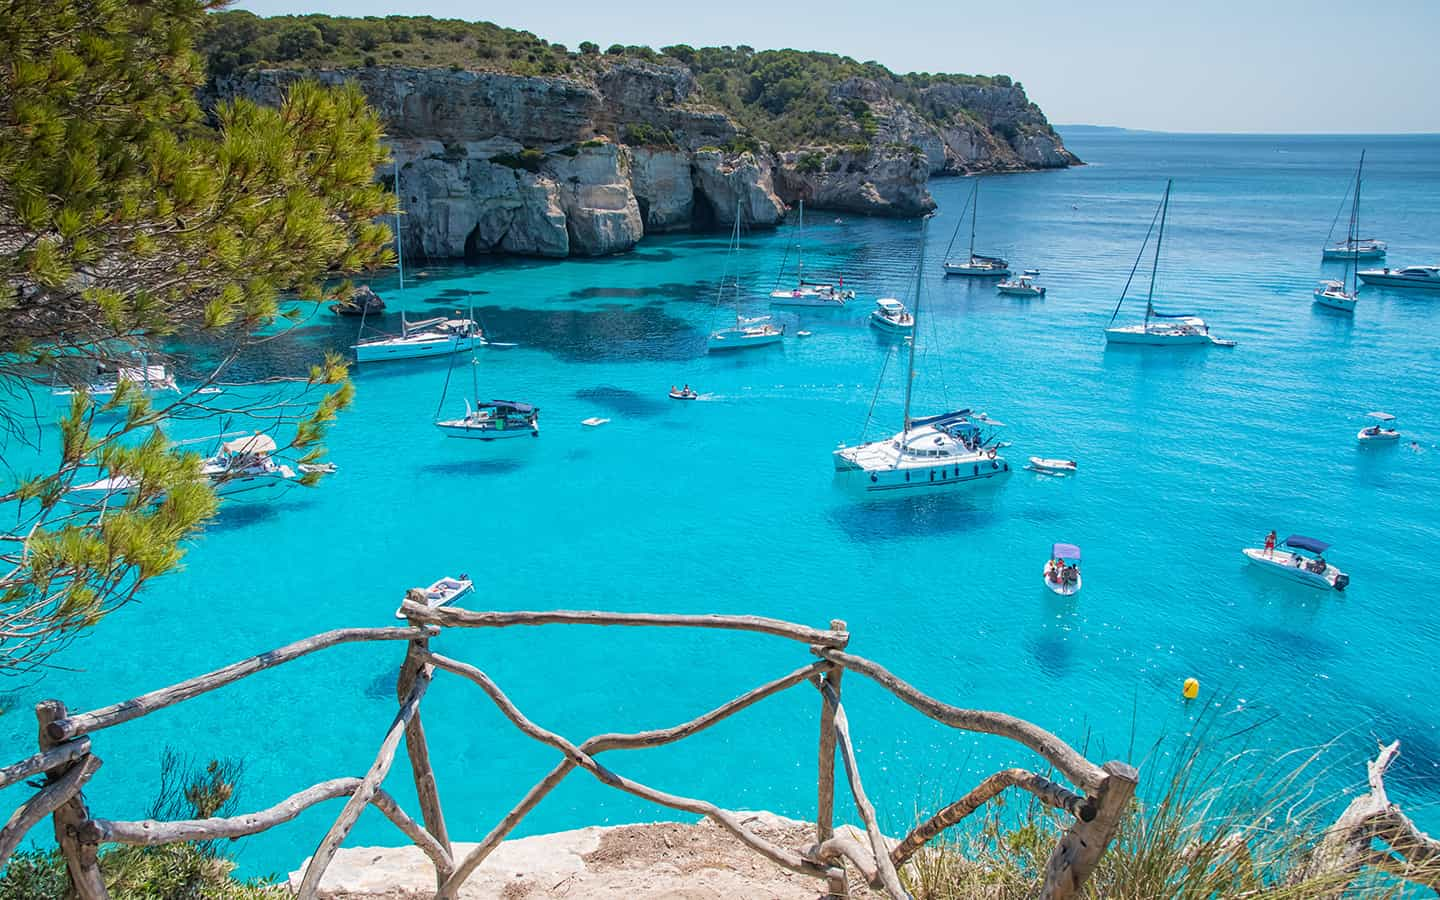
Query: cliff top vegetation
(781, 96)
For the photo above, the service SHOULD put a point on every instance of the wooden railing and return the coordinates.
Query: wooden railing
(1096, 799)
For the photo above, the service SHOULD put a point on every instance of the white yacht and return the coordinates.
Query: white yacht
(241, 469)
(809, 294)
(1383, 430)
(757, 331)
(1341, 294)
(941, 451)
(1406, 277)
(1296, 566)
(890, 314)
(429, 337)
(1159, 329)
(976, 264)
(493, 420)
(1023, 286)
(1354, 247)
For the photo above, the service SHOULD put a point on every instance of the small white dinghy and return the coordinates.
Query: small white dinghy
(1383, 430)
(685, 393)
(594, 421)
(443, 592)
(1052, 466)
(1313, 571)
(1062, 570)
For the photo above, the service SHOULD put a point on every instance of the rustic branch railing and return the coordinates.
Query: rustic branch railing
(1098, 802)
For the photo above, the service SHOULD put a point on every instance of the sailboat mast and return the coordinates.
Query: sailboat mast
(915, 322)
(800, 245)
(1355, 227)
(1150, 295)
(399, 250)
(974, 211)
(735, 254)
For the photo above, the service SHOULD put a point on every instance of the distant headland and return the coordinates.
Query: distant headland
(507, 143)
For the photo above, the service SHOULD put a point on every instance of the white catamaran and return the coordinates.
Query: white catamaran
(1340, 295)
(976, 264)
(758, 331)
(941, 451)
(1159, 329)
(809, 294)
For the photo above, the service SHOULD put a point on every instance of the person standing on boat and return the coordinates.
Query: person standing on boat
(1270, 543)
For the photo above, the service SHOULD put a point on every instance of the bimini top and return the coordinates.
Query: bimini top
(256, 444)
(1384, 417)
(512, 406)
(890, 304)
(1066, 551)
(1300, 542)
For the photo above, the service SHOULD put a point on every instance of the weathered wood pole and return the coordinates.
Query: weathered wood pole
(419, 752)
(825, 807)
(1079, 850)
(71, 817)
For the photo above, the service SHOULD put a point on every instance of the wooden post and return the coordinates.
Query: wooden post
(825, 807)
(419, 752)
(1080, 849)
(81, 858)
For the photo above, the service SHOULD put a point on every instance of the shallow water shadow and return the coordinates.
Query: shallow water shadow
(1052, 654)
(475, 467)
(622, 401)
(617, 334)
(1292, 645)
(235, 515)
(873, 521)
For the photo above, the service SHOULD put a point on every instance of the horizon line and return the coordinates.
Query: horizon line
(1246, 133)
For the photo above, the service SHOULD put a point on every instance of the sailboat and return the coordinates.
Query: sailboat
(809, 294)
(929, 453)
(748, 332)
(977, 264)
(1340, 295)
(1158, 329)
(487, 420)
(1354, 247)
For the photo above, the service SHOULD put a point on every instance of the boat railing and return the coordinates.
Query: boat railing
(1093, 803)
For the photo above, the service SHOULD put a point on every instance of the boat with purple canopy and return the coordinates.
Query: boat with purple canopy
(1062, 570)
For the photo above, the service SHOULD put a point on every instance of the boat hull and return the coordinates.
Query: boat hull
(1384, 436)
(1139, 335)
(1281, 563)
(725, 341)
(914, 480)
(1341, 254)
(886, 324)
(1011, 291)
(254, 488)
(383, 351)
(976, 271)
(1336, 301)
(1386, 279)
(483, 433)
(807, 300)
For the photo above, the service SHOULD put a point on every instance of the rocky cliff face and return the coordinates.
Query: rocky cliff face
(554, 166)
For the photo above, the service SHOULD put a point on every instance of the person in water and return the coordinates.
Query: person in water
(1270, 543)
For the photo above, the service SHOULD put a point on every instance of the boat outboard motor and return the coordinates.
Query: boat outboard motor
(1341, 581)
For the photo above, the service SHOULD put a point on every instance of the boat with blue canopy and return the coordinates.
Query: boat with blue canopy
(1293, 560)
(1062, 570)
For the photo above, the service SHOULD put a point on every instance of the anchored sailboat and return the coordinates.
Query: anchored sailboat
(487, 420)
(976, 264)
(1340, 295)
(758, 331)
(941, 451)
(811, 294)
(1354, 247)
(1158, 329)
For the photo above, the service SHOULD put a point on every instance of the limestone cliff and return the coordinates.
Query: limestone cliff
(589, 162)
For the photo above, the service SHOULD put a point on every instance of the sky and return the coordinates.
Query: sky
(1270, 66)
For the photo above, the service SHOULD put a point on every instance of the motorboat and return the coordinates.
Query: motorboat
(1382, 431)
(1360, 248)
(1295, 564)
(975, 264)
(683, 393)
(1052, 466)
(753, 332)
(493, 420)
(1023, 286)
(243, 469)
(442, 593)
(594, 422)
(1159, 329)
(890, 314)
(151, 380)
(1424, 277)
(429, 337)
(1062, 570)
(929, 453)
(1333, 295)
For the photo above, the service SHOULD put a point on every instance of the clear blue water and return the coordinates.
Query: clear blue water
(729, 505)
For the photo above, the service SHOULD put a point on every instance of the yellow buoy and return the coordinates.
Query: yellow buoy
(1191, 690)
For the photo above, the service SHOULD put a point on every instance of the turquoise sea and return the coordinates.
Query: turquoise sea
(730, 505)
